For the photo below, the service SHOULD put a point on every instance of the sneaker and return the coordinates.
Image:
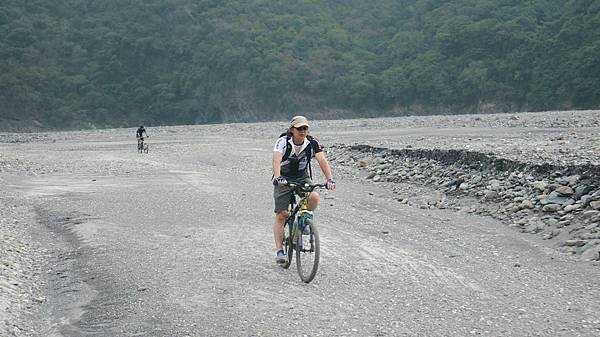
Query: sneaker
(280, 257)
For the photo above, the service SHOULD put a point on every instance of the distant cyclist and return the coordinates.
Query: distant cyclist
(139, 134)
(291, 162)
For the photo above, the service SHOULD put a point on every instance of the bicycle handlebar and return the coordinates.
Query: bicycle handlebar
(306, 187)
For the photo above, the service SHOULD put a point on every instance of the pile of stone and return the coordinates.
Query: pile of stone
(19, 289)
(558, 203)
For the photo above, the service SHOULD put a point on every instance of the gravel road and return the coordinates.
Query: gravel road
(98, 240)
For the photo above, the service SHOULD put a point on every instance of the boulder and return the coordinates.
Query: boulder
(551, 208)
(564, 191)
(556, 198)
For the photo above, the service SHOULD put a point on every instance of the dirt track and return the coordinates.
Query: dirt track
(178, 243)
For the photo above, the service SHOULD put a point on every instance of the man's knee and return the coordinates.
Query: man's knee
(281, 215)
(313, 200)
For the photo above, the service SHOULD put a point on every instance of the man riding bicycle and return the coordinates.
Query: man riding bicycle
(291, 162)
(139, 134)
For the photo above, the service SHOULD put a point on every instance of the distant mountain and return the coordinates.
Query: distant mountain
(78, 63)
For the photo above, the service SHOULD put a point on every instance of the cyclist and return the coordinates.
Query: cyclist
(291, 158)
(139, 134)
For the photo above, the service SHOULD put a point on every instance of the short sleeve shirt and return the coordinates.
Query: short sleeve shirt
(295, 164)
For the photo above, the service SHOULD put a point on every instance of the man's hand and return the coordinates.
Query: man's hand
(280, 181)
(331, 184)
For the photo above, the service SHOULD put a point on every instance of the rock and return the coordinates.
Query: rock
(589, 236)
(527, 204)
(550, 221)
(564, 191)
(556, 198)
(568, 202)
(582, 190)
(572, 180)
(534, 228)
(592, 253)
(575, 243)
(550, 234)
(563, 223)
(568, 250)
(573, 207)
(595, 205)
(40, 299)
(494, 185)
(539, 185)
(437, 199)
(551, 208)
(522, 221)
(491, 195)
(590, 214)
(585, 200)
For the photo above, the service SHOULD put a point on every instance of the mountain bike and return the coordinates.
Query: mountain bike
(142, 146)
(301, 234)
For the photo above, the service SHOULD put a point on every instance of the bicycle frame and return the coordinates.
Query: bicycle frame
(296, 209)
(300, 208)
(304, 244)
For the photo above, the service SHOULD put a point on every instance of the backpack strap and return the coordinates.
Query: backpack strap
(309, 154)
(288, 150)
(288, 146)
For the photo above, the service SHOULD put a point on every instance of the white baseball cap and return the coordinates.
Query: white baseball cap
(298, 121)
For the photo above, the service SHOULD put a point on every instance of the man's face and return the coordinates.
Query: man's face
(300, 132)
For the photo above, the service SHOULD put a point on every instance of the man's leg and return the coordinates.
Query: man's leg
(278, 229)
(313, 201)
(281, 196)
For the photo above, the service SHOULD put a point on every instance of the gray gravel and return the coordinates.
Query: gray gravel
(98, 240)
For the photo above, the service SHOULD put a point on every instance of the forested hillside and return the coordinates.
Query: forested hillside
(80, 63)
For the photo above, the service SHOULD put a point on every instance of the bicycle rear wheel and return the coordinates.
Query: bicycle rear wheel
(308, 253)
(287, 245)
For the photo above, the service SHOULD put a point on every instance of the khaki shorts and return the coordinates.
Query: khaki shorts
(282, 194)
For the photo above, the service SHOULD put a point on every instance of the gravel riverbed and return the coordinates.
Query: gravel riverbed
(538, 173)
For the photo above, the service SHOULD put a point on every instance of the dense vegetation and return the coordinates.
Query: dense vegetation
(80, 63)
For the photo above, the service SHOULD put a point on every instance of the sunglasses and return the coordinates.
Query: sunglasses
(302, 128)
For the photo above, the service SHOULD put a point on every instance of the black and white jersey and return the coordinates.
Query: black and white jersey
(296, 159)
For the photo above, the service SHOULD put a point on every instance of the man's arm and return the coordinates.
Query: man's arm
(324, 164)
(277, 156)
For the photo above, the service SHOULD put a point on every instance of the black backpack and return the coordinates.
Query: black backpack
(288, 150)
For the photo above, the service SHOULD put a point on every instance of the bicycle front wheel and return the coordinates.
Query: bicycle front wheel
(307, 252)
(287, 245)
